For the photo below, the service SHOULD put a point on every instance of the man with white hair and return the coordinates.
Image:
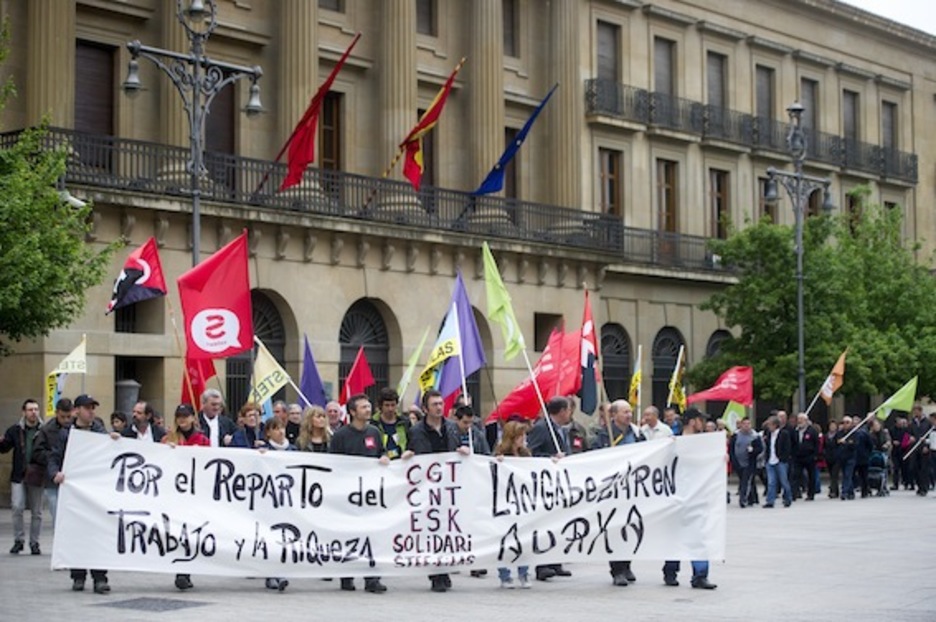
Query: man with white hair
(652, 427)
(217, 426)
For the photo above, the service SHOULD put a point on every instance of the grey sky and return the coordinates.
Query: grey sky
(920, 14)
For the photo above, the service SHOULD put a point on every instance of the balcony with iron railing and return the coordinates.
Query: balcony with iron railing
(145, 168)
(629, 103)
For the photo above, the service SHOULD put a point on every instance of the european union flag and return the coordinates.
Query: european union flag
(494, 182)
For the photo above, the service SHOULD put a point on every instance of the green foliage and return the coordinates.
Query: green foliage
(45, 264)
(862, 289)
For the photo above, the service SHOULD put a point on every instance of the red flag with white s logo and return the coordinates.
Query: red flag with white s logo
(216, 307)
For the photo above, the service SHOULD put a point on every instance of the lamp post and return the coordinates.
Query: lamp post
(799, 187)
(198, 79)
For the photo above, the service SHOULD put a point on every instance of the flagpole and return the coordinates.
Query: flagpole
(84, 340)
(640, 384)
(175, 332)
(539, 395)
(855, 429)
(299, 391)
(918, 443)
(607, 400)
(669, 398)
(813, 402)
(384, 175)
(461, 368)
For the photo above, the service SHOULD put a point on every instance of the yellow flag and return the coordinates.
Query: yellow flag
(676, 391)
(269, 377)
(634, 394)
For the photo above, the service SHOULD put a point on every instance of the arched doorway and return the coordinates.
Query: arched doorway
(716, 408)
(665, 351)
(269, 327)
(363, 325)
(615, 361)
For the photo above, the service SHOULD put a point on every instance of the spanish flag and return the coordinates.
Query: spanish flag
(413, 166)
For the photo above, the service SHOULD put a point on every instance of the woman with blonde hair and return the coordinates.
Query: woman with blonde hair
(314, 432)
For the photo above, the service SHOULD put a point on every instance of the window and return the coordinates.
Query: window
(765, 92)
(332, 5)
(220, 145)
(809, 98)
(125, 319)
(608, 46)
(768, 210)
(94, 102)
(719, 203)
(850, 115)
(363, 325)
(889, 125)
(510, 171)
(814, 206)
(663, 61)
(511, 28)
(426, 18)
(610, 179)
(716, 66)
(667, 200)
(615, 361)
(330, 137)
(543, 325)
(853, 209)
(891, 205)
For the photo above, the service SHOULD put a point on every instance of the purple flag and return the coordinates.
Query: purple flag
(311, 383)
(472, 351)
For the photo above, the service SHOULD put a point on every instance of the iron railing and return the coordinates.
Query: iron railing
(149, 168)
(605, 97)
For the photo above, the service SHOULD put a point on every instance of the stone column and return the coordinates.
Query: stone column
(298, 71)
(485, 88)
(397, 102)
(175, 125)
(565, 109)
(50, 59)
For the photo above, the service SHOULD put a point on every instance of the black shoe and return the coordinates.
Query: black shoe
(619, 580)
(787, 504)
(374, 586)
(101, 587)
(477, 574)
(283, 584)
(562, 572)
(768, 505)
(34, 548)
(446, 581)
(17, 547)
(78, 585)
(630, 576)
(671, 581)
(810, 498)
(347, 585)
(184, 582)
(702, 583)
(545, 573)
(438, 585)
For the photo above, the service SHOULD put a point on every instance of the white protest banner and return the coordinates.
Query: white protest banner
(129, 505)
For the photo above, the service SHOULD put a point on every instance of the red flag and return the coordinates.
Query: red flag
(359, 378)
(736, 384)
(141, 278)
(216, 307)
(301, 144)
(589, 355)
(413, 165)
(559, 363)
(199, 372)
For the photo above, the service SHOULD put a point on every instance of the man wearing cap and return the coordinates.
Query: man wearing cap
(143, 427)
(47, 440)
(84, 420)
(20, 438)
(214, 424)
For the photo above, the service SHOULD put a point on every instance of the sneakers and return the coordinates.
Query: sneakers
(702, 583)
(78, 585)
(524, 582)
(34, 548)
(282, 584)
(374, 586)
(100, 587)
(347, 585)
(507, 584)
(184, 582)
(17, 547)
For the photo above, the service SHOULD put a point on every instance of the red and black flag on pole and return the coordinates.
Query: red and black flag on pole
(140, 279)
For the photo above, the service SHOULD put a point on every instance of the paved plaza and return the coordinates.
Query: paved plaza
(871, 559)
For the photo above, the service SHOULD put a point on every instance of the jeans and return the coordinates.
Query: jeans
(848, 478)
(504, 572)
(699, 569)
(23, 496)
(777, 474)
(51, 497)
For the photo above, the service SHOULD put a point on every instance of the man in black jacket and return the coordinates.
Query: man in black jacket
(142, 426)
(47, 440)
(20, 438)
(846, 457)
(805, 453)
(217, 426)
(779, 449)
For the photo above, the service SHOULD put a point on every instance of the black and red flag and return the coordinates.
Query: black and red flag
(140, 279)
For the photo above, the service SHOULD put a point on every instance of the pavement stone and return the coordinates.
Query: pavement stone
(827, 560)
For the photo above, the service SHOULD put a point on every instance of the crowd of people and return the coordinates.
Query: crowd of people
(785, 456)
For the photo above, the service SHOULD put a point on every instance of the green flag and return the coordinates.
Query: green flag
(734, 412)
(901, 400)
(499, 308)
(411, 366)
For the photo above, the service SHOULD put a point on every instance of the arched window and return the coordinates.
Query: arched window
(363, 325)
(665, 351)
(615, 361)
(716, 408)
(268, 326)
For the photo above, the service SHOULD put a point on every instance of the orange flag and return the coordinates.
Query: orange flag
(835, 379)
(414, 166)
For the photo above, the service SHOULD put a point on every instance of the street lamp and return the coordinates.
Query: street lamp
(198, 79)
(799, 187)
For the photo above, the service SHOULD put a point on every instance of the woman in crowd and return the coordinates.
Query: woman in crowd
(185, 431)
(314, 433)
(513, 443)
(275, 432)
(250, 430)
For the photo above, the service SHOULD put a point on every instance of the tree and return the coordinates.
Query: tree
(863, 289)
